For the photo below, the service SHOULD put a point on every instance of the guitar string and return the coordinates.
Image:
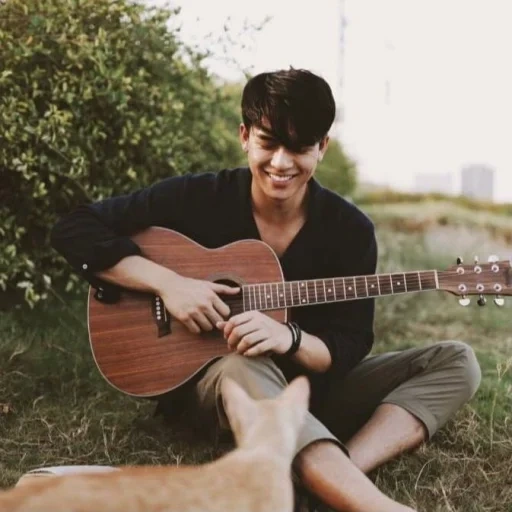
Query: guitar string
(412, 279)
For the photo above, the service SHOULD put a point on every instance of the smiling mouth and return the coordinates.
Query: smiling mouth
(279, 178)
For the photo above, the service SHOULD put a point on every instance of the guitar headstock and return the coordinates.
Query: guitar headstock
(491, 278)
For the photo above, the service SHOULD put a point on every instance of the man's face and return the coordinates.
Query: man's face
(279, 173)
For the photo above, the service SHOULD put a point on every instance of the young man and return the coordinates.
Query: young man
(379, 406)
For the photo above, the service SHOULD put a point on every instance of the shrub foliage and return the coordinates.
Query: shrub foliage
(96, 97)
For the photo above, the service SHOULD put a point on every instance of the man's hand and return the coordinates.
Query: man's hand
(252, 334)
(194, 302)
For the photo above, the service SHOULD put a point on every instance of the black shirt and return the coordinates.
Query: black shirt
(214, 209)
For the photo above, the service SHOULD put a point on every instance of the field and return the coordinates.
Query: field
(56, 409)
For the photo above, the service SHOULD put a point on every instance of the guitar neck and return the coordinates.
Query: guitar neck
(268, 296)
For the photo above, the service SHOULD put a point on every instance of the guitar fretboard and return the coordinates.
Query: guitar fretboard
(267, 296)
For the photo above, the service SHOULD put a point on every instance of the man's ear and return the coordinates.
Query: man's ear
(322, 148)
(243, 133)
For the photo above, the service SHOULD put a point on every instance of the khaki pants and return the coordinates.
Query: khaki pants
(430, 382)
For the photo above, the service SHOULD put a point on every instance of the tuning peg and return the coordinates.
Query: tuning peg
(464, 301)
(482, 301)
(499, 301)
(493, 258)
(459, 261)
(476, 260)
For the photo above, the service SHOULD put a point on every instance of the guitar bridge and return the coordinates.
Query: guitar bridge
(161, 317)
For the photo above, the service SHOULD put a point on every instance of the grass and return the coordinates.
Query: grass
(413, 217)
(56, 409)
(467, 466)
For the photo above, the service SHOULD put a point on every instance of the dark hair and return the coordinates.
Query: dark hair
(295, 105)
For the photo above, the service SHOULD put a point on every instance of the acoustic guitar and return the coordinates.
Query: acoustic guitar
(142, 351)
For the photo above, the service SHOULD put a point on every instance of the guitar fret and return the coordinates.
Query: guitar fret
(377, 291)
(316, 295)
(419, 279)
(405, 282)
(355, 287)
(366, 284)
(360, 287)
(330, 291)
(412, 281)
(349, 294)
(423, 276)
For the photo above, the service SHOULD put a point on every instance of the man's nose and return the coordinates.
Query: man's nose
(282, 159)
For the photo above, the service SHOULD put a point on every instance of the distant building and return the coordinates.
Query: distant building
(477, 181)
(427, 183)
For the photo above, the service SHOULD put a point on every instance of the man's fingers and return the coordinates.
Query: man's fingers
(191, 325)
(213, 316)
(259, 349)
(203, 321)
(242, 331)
(221, 307)
(223, 288)
(251, 340)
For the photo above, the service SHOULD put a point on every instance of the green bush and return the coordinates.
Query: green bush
(97, 97)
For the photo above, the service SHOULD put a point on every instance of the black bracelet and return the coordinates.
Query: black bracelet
(296, 338)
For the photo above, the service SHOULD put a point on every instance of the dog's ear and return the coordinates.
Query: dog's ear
(297, 394)
(240, 408)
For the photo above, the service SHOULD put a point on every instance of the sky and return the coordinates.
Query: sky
(424, 86)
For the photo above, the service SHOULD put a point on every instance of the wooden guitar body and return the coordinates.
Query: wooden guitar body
(124, 336)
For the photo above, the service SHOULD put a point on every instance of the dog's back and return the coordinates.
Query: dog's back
(255, 477)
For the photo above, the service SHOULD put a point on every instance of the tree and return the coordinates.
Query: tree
(337, 171)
